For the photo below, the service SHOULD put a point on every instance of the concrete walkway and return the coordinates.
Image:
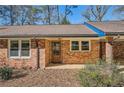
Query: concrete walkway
(65, 66)
(121, 68)
(75, 66)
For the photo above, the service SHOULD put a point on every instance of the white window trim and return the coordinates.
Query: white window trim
(71, 45)
(80, 50)
(19, 57)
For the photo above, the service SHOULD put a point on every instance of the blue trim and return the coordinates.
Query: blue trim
(95, 29)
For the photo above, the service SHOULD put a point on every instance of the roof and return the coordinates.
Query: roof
(90, 29)
(46, 30)
(110, 28)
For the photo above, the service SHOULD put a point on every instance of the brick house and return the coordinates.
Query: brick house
(38, 46)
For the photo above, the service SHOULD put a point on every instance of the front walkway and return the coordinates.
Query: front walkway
(65, 66)
(75, 66)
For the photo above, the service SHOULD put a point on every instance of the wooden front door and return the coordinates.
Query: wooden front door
(56, 52)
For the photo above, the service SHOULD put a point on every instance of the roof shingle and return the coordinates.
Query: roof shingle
(112, 27)
(46, 30)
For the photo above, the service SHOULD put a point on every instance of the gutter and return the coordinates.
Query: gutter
(114, 33)
(57, 35)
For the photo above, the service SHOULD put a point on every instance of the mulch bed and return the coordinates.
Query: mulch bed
(43, 78)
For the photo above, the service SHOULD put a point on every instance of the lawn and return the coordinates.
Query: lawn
(43, 78)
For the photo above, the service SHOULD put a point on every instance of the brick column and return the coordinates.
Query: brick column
(109, 52)
(41, 46)
(42, 58)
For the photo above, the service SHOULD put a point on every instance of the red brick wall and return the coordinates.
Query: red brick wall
(80, 57)
(3, 51)
(118, 50)
(44, 48)
(22, 63)
(102, 50)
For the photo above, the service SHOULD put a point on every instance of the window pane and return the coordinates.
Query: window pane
(75, 45)
(25, 48)
(56, 48)
(14, 47)
(84, 45)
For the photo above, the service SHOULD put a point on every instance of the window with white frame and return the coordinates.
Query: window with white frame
(14, 48)
(75, 45)
(80, 46)
(84, 45)
(25, 48)
(19, 48)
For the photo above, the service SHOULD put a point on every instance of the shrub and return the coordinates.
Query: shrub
(5, 73)
(101, 74)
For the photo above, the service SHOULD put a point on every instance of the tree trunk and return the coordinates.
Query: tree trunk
(11, 15)
(58, 14)
(49, 14)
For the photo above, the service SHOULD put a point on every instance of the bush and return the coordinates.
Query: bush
(101, 74)
(5, 73)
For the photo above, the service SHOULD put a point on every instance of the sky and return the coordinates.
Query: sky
(76, 18)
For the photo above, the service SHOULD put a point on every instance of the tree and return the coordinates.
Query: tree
(64, 18)
(68, 10)
(9, 13)
(55, 14)
(12, 16)
(65, 21)
(16, 15)
(58, 14)
(43, 14)
(23, 15)
(95, 13)
(4, 15)
(119, 11)
(31, 15)
(49, 14)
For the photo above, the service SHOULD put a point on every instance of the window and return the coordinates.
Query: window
(84, 45)
(25, 48)
(56, 48)
(75, 45)
(19, 48)
(80, 45)
(14, 48)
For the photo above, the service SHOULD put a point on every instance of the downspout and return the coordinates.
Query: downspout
(100, 53)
